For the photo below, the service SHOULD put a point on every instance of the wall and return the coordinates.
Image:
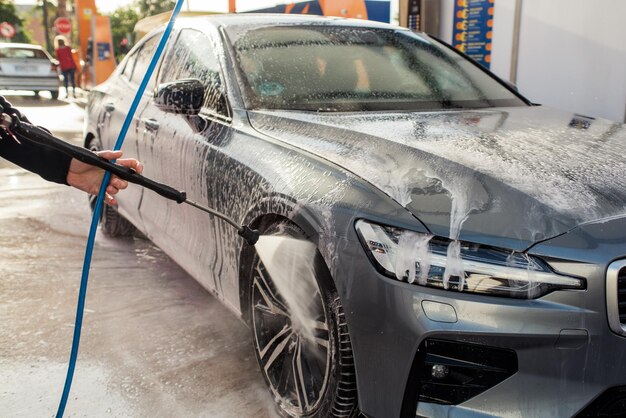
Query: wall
(572, 53)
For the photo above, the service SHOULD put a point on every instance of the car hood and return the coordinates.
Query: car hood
(507, 176)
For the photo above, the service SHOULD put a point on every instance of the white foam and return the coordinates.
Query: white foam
(289, 262)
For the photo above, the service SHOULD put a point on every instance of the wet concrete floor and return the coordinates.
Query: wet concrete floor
(154, 342)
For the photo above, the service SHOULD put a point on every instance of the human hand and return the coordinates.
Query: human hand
(88, 178)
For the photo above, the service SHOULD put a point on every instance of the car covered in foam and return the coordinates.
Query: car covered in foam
(468, 248)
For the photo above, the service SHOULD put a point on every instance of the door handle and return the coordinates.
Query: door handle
(109, 107)
(151, 124)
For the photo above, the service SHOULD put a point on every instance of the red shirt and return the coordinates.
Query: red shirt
(64, 55)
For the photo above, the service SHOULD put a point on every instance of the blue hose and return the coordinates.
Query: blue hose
(98, 209)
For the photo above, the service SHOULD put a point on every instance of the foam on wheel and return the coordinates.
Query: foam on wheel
(307, 378)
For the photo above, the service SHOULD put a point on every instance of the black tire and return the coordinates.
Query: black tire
(112, 223)
(313, 379)
(55, 94)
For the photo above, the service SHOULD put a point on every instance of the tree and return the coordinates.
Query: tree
(123, 21)
(62, 8)
(8, 13)
(153, 7)
(49, 13)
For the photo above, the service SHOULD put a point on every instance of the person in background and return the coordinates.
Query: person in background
(67, 64)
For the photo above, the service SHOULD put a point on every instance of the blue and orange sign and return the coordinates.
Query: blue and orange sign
(378, 10)
(472, 31)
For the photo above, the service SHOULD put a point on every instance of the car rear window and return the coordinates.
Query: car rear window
(22, 53)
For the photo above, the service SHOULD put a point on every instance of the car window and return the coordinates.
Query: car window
(22, 53)
(130, 64)
(193, 57)
(144, 56)
(323, 68)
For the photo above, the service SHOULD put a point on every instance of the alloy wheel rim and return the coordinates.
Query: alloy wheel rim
(296, 368)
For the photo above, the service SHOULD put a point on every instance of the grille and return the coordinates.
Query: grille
(453, 372)
(616, 296)
(621, 295)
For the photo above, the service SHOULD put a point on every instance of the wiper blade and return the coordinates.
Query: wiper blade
(449, 104)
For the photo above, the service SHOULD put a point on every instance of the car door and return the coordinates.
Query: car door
(116, 103)
(177, 150)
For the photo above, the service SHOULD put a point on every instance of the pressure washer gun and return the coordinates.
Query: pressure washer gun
(18, 126)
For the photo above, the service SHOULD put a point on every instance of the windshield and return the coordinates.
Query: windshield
(335, 68)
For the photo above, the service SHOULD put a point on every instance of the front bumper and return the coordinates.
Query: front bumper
(566, 353)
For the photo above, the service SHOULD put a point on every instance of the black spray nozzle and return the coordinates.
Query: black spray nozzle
(130, 175)
(250, 235)
(40, 136)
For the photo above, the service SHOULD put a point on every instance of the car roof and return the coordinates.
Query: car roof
(272, 19)
(16, 45)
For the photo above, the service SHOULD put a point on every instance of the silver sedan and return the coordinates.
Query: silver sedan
(28, 67)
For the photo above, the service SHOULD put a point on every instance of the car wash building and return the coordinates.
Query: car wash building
(561, 53)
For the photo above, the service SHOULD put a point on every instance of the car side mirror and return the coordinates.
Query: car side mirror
(181, 97)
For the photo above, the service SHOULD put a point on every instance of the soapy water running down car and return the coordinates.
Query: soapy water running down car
(466, 248)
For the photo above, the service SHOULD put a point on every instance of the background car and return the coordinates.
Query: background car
(466, 249)
(28, 67)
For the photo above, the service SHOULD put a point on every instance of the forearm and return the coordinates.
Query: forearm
(50, 164)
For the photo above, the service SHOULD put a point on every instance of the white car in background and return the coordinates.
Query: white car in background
(28, 67)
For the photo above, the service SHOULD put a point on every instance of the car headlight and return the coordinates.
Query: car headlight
(428, 261)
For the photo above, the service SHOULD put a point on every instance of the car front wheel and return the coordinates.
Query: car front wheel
(310, 374)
